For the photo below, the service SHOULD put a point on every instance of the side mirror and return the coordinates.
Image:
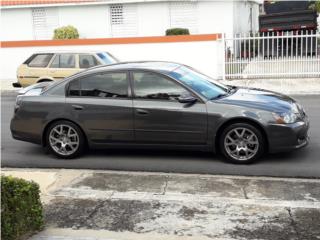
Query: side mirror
(189, 99)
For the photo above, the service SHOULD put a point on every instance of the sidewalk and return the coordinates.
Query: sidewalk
(301, 86)
(103, 205)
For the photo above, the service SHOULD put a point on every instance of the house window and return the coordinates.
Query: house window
(44, 21)
(124, 20)
(184, 14)
(116, 14)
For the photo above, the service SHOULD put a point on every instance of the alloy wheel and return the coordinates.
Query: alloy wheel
(241, 144)
(64, 139)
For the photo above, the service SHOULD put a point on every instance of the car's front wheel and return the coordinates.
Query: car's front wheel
(65, 139)
(242, 143)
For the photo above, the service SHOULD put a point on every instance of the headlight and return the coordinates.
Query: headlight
(285, 118)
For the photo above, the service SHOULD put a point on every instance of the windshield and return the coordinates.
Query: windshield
(199, 82)
(107, 58)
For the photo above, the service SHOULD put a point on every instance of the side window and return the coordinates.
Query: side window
(87, 61)
(40, 60)
(154, 86)
(106, 85)
(64, 61)
(74, 88)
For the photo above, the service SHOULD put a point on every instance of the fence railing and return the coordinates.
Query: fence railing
(273, 55)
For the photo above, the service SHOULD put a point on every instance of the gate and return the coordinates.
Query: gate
(272, 55)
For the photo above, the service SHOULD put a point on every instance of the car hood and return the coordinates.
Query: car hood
(260, 99)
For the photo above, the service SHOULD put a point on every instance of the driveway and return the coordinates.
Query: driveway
(301, 163)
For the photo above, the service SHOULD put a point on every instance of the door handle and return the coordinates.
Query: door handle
(77, 107)
(142, 112)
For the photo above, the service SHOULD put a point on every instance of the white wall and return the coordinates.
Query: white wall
(153, 18)
(216, 17)
(91, 21)
(203, 56)
(16, 24)
(242, 19)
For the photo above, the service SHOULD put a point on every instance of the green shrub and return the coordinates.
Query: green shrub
(21, 208)
(67, 32)
(177, 31)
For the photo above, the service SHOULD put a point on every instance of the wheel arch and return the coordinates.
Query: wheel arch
(44, 132)
(45, 79)
(227, 123)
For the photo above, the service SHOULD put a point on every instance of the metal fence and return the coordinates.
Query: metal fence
(272, 55)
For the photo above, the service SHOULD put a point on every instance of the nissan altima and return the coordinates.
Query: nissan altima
(157, 105)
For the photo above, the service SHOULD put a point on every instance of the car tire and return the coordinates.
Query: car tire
(65, 140)
(242, 143)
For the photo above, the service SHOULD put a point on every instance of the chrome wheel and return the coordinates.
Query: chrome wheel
(241, 144)
(64, 139)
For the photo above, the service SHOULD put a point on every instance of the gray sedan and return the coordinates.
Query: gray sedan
(157, 105)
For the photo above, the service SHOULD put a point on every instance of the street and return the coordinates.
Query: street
(302, 163)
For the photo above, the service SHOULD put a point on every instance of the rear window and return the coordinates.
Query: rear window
(39, 60)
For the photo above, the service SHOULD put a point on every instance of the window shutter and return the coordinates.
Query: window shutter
(45, 20)
(124, 20)
(184, 15)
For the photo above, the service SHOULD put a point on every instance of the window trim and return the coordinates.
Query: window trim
(129, 93)
(196, 95)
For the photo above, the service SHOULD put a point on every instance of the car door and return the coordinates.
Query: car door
(63, 65)
(159, 118)
(102, 105)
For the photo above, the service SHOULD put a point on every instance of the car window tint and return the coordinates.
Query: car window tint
(87, 61)
(74, 88)
(40, 60)
(64, 61)
(107, 85)
(154, 86)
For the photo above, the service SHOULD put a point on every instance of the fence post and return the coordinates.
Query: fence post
(224, 57)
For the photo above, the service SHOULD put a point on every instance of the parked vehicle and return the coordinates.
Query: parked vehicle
(288, 18)
(50, 66)
(158, 105)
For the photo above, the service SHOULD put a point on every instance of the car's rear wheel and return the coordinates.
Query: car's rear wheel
(65, 139)
(242, 143)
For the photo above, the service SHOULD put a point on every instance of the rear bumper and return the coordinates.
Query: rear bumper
(288, 137)
(16, 85)
(20, 132)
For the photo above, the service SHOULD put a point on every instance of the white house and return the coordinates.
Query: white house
(36, 19)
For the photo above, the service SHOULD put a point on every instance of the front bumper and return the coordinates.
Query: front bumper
(288, 137)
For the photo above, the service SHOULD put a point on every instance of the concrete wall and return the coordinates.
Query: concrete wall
(202, 55)
(16, 24)
(246, 16)
(152, 19)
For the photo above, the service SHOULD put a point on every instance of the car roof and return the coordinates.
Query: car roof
(69, 51)
(161, 66)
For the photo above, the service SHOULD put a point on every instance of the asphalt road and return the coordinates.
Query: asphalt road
(301, 163)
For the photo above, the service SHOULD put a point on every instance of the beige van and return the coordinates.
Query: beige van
(51, 66)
